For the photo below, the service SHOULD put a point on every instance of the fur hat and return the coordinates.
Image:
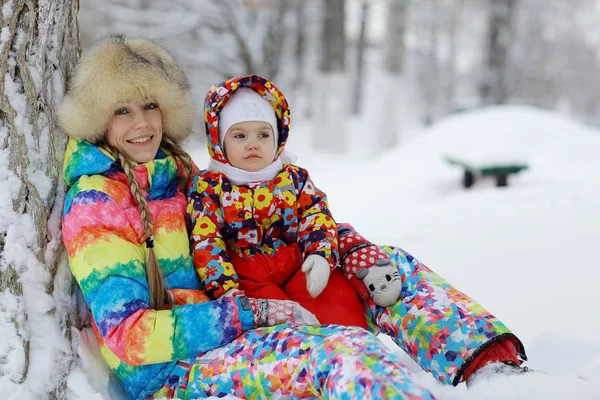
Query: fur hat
(120, 70)
(246, 105)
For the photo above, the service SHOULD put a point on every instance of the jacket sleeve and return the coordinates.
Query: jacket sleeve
(108, 263)
(179, 297)
(317, 231)
(205, 223)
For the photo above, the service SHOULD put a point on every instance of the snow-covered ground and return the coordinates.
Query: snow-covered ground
(528, 252)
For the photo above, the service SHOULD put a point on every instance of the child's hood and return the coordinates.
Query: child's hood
(218, 95)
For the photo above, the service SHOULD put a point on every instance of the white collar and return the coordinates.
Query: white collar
(239, 177)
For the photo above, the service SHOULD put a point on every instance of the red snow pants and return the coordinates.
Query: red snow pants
(280, 277)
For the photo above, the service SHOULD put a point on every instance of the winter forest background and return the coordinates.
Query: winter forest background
(436, 56)
(380, 91)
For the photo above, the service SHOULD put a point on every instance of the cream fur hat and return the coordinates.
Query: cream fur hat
(120, 70)
(246, 105)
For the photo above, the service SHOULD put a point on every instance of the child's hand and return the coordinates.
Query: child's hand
(317, 272)
(368, 268)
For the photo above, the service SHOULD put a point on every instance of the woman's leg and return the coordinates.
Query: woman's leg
(440, 327)
(329, 362)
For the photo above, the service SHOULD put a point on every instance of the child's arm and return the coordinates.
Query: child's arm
(317, 231)
(205, 220)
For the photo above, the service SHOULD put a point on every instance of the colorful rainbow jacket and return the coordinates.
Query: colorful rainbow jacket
(102, 231)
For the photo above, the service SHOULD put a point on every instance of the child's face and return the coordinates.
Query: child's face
(250, 145)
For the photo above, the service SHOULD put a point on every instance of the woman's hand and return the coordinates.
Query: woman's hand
(269, 312)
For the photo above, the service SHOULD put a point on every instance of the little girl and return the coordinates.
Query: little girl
(257, 222)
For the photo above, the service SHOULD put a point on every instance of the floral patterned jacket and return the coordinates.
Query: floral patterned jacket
(224, 219)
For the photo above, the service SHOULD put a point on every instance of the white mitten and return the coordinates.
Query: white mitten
(317, 272)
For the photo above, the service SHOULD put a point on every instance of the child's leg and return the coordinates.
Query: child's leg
(441, 328)
(337, 304)
(329, 362)
(256, 279)
(262, 290)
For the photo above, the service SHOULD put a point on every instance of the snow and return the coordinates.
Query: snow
(41, 181)
(4, 34)
(7, 9)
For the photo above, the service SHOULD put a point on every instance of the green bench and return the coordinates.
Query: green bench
(499, 170)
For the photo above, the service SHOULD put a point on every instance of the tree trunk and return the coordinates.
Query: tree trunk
(333, 50)
(429, 69)
(331, 86)
(357, 92)
(493, 88)
(395, 28)
(450, 82)
(274, 42)
(300, 45)
(394, 91)
(39, 46)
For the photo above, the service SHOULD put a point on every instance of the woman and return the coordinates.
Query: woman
(127, 109)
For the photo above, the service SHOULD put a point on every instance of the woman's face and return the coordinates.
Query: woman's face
(136, 131)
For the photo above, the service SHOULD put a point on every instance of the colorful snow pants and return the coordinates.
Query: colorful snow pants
(328, 362)
(441, 328)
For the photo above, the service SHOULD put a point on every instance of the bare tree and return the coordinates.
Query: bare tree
(395, 29)
(331, 88)
(494, 87)
(300, 45)
(300, 67)
(429, 33)
(360, 61)
(333, 50)
(436, 26)
(394, 92)
(38, 48)
(248, 36)
(555, 59)
(449, 85)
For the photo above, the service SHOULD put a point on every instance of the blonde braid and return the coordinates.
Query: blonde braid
(156, 280)
(185, 159)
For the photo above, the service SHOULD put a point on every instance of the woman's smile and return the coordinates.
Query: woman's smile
(141, 139)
